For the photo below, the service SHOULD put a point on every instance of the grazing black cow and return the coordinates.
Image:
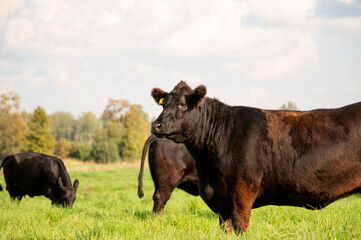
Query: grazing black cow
(171, 166)
(248, 157)
(37, 174)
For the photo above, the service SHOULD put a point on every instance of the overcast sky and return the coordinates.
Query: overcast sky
(67, 55)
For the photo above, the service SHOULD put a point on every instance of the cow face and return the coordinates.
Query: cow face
(67, 194)
(176, 105)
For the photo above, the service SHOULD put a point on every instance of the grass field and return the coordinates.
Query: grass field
(107, 207)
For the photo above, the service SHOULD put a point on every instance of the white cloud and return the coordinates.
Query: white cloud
(347, 24)
(7, 88)
(19, 32)
(346, 1)
(110, 18)
(210, 28)
(259, 52)
(282, 11)
(142, 70)
(24, 75)
(46, 10)
(278, 57)
(30, 76)
(7, 8)
(59, 75)
(5, 65)
(303, 55)
(258, 96)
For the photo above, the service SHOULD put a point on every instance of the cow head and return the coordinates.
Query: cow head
(176, 105)
(67, 194)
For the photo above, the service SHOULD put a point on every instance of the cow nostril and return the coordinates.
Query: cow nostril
(156, 127)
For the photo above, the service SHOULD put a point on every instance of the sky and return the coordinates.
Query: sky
(73, 55)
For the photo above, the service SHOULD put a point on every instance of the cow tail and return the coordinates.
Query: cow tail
(140, 176)
(1, 189)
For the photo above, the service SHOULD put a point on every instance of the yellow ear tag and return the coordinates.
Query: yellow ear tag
(161, 101)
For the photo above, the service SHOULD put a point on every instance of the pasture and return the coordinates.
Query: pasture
(107, 207)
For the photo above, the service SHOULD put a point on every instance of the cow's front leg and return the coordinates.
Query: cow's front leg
(49, 193)
(226, 224)
(243, 199)
(240, 220)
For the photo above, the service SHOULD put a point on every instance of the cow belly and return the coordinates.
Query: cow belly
(32, 193)
(31, 189)
(311, 198)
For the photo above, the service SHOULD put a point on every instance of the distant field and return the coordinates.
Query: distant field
(107, 207)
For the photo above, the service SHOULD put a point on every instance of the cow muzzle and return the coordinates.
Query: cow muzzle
(156, 128)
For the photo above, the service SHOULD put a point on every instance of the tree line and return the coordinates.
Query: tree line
(118, 135)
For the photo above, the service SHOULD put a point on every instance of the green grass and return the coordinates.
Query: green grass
(107, 207)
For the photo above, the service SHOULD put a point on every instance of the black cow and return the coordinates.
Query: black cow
(171, 166)
(37, 174)
(249, 157)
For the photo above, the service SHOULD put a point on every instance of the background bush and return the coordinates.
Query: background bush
(104, 152)
(82, 151)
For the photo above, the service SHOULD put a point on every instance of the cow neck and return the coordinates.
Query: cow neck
(205, 124)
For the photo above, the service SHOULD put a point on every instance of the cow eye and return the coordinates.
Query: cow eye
(182, 106)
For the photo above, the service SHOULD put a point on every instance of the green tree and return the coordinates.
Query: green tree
(12, 124)
(82, 151)
(105, 151)
(107, 140)
(86, 127)
(62, 148)
(38, 137)
(137, 127)
(62, 125)
(290, 106)
(115, 110)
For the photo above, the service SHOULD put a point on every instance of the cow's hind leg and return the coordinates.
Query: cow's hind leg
(161, 197)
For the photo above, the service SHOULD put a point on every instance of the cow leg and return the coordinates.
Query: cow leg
(14, 195)
(160, 197)
(15, 199)
(243, 199)
(226, 224)
(49, 193)
(165, 181)
(240, 219)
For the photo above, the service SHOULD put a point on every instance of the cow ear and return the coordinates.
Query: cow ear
(158, 95)
(76, 184)
(199, 95)
(60, 183)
